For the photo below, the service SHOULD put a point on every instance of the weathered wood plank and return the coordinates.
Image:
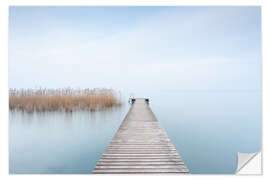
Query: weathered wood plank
(140, 157)
(125, 163)
(130, 166)
(134, 171)
(140, 145)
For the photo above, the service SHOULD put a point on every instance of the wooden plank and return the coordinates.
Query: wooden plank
(125, 163)
(140, 145)
(135, 171)
(141, 157)
(140, 149)
(132, 166)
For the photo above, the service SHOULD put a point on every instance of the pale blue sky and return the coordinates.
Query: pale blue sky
(135, 48)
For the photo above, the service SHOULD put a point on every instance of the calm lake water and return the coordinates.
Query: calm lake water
(208, 128)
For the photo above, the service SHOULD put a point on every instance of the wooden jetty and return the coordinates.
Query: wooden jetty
(140, 145)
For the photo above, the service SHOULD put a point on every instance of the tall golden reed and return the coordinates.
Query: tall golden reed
(62, 99)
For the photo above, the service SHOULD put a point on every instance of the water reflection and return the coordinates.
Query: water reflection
(60, 142)
(209, 128)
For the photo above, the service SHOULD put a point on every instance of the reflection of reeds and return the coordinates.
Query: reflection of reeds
(62, 99)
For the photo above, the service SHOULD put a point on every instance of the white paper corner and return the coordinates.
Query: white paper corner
(249, 163)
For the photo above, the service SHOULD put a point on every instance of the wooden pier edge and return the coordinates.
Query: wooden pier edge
(140, 145)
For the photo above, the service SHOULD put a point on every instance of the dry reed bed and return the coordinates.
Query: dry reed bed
(62, 99)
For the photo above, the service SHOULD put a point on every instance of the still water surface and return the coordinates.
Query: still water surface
(208, 128)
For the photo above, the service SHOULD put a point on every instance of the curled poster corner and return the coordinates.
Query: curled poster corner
(249, 163)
